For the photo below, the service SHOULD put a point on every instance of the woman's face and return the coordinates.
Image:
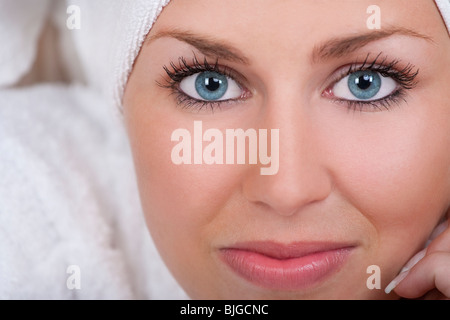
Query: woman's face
(363, 117)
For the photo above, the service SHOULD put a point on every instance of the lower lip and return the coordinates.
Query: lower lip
(285, 274)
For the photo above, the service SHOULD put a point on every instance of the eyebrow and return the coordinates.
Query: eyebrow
(339, 47)
(332, 48)
(208, 46)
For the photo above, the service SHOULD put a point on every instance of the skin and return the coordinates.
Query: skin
(372, 179)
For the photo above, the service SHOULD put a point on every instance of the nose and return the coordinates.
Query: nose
(303, 177)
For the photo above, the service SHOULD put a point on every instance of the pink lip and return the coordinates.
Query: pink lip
(277, 266)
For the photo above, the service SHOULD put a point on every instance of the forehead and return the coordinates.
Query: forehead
(291, 22)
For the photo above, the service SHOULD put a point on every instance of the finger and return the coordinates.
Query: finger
(433, 271)
(439, 241)
(434, 295)
(440, 238)
(404, 272)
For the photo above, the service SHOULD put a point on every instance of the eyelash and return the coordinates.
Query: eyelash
(177, 72)
(405, 77)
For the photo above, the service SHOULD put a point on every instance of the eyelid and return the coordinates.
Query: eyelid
(196, 66)
(337, 75)
(405, 76)
(182, 69)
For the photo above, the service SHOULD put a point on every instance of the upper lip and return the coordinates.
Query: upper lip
(291, 250)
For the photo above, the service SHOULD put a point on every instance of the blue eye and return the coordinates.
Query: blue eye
(210, 86)
(364, 85)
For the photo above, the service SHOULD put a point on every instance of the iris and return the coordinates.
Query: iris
(364, 84)
(211, 85)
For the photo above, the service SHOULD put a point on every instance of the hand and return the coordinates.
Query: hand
(427, 274)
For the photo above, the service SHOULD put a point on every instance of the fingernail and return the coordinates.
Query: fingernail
(391, 286)
(439, 229)
(413, 261)
(405, 270)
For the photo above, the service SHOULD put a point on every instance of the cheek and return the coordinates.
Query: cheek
(180, 201)
(182, 204)
(395, 172)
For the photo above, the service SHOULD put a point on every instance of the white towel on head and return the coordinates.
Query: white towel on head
(444, 8)
(21, 22)
(108, 41)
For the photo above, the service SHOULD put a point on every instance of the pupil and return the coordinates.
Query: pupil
(212, 84)
(364, 82)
